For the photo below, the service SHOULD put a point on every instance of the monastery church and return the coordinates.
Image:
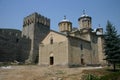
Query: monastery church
(81, 46)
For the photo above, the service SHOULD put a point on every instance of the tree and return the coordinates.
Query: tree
(112, 45)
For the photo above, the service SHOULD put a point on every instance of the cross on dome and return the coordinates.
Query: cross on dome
(65, 19)
(64, 16)
(83, 12)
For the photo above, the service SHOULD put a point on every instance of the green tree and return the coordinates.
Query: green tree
(112, 45)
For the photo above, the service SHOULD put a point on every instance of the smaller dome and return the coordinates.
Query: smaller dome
(99, 33)
(65, 25)
(65, 20)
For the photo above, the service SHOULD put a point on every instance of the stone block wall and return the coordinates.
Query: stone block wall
(79, 49)
(59, 51)
(9, 44)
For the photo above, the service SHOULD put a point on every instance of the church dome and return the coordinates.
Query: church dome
(65, 20)
(85, 21)
(65, 25)
(84, 15)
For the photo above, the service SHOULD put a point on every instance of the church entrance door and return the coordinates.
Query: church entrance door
(51, 60)
(82, 61)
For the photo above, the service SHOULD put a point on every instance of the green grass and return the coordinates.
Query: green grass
(110, 76)
(102, 74)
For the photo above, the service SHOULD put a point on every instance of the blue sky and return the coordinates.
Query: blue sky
(12, 12)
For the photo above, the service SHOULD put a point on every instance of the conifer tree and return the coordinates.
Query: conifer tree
(112, 45)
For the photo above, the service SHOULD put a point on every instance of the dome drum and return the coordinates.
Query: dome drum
(65, 25)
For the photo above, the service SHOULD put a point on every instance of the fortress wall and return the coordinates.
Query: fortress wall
(9, 44)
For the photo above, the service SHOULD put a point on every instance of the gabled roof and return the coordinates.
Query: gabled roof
(65, 35)
(58, 32)
(69, 36)
(57, 36)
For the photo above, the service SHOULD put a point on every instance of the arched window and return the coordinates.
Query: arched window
(51, 40)
(81, 46)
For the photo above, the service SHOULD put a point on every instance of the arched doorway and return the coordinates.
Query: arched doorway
(51, 59)
(82, 61)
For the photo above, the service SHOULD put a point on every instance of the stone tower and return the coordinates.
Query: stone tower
(85, 21)
(100, 43)
(35, 28)
(65, 25)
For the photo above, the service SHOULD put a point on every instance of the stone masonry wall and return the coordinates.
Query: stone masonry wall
(57, 50)
(9, 45)
(79, 49)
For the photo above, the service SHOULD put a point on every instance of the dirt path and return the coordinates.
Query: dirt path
(40, 73)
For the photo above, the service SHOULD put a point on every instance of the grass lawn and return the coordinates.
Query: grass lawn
(101, 74)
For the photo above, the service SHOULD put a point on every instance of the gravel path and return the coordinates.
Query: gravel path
(41, 73)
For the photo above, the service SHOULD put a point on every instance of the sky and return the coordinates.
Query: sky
(12, 12)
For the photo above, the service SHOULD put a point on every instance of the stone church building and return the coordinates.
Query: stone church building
(71, 46)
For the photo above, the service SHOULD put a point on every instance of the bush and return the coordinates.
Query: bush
(111, 76)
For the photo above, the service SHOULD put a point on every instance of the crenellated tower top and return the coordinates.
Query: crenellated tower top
(36, 18)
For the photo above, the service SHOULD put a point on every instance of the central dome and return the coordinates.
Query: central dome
(84, 21)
